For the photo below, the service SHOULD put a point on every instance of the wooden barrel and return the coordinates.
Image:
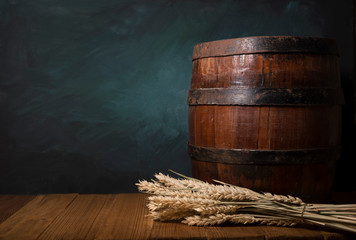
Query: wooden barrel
(265, 113)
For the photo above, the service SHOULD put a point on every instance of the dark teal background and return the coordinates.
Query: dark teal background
(93, 93)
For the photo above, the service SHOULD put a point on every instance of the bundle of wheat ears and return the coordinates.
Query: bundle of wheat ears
(199, 203)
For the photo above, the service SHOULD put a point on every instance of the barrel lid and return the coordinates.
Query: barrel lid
(265, 44)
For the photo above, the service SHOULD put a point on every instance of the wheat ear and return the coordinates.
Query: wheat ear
(201, 203)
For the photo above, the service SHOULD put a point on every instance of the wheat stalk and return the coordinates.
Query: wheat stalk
(237, 219)
(195, 202)
(170, 214)
(163, 202)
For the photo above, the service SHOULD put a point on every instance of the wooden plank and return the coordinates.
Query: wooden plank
(122, 218)
(9, 204)
(336, 236)
(174, 230)
(291, 233)
(235, 232)
(32, 219)
(77, 219)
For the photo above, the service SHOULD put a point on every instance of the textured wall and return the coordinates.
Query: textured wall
(92, 93)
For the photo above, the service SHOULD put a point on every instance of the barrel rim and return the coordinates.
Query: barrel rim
(265, 44)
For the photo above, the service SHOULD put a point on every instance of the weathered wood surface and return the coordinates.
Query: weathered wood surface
(118, 216)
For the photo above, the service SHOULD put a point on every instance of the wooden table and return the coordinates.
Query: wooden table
(117, 216)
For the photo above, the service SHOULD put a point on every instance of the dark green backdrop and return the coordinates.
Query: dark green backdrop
(92, 94)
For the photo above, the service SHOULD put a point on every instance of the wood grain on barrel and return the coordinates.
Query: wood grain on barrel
(263, 126)
(266, 70)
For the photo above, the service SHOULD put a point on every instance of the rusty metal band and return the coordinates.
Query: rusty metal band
(265, 44)
(267, 157)
(265, 96)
